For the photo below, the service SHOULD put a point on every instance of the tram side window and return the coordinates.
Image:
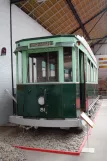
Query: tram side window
(19, 67)
(53, 67)
(92, 73)
(89, 71)
(67, 64)
(44, 69)
(77, 66)
(32, 70)
(95, 74)
(85, 64)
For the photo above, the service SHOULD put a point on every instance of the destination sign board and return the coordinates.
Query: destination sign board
(40, 44)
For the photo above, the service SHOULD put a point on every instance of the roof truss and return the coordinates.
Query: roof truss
(77, 17)
(87, 18)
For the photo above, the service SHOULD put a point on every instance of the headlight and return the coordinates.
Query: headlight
(41, 101)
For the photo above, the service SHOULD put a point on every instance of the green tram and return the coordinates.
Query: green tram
(57, 79)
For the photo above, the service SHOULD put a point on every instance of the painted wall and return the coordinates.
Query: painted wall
(101, 55)
(101, 49)
(23, 27)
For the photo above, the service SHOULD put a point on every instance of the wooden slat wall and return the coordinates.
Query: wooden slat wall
(56, 16)
(87, 8)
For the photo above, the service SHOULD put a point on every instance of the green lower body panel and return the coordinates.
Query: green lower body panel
(91, 93)
(60, 100)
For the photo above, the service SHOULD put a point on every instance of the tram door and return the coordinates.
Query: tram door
(82, 67)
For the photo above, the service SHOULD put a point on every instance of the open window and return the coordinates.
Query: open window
(43, 67)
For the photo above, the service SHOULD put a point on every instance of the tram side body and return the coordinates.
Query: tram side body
(61, 100)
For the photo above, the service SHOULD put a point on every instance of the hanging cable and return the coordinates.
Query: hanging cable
(100, 46)
(96, 23)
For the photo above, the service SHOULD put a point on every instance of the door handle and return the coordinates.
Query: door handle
(29, 91)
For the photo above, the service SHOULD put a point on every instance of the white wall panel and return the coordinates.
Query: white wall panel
(101, 53)
(101, 49)
(23, 27)
(5, 63)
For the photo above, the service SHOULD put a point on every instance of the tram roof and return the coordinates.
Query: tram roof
(55, 38)
(45, 37)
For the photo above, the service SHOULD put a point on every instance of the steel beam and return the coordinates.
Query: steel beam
(101, 38)
(100, 46)
(99, 41)
(71, 6)
(105, 9)
(16, 1)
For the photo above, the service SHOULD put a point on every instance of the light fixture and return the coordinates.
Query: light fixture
(41, 101)
(78, 42)
(41, 1)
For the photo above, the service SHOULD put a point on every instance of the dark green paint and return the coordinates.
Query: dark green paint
(82, 85)
(69, 100)
(91, 92)
(59, 100)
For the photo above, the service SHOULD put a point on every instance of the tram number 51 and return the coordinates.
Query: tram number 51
(42, 109)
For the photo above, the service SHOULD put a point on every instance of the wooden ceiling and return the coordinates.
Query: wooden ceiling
(83, 17)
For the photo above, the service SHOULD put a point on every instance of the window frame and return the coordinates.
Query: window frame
(70, 54)
(48, 77)
(19, 68)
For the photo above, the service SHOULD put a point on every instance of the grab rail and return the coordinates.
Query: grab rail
(13, 98)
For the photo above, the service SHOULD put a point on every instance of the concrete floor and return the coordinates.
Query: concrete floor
(97, 140)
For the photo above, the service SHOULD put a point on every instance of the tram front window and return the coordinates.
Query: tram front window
(43, 67)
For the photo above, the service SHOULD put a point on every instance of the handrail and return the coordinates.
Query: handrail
(103, 92)
(13, 98)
